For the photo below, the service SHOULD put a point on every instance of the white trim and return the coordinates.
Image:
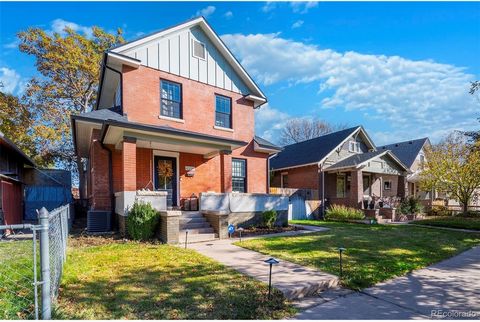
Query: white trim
(132, 62)
(221, 128)
(204, 49)
(170, 154)
(173, 119)
(217, 42)
(295, 166)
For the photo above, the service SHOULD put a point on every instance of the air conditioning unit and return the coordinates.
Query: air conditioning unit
(99, 221)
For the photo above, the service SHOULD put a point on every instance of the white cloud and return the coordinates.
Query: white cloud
(297, 24)
(228, 15)
(302, 7)
(269, 122)
(13, 44)
(59, 25)
(205, 12)
(269, 6)
(416, 98)
(12, 81)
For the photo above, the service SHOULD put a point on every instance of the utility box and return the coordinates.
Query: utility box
(99, 221)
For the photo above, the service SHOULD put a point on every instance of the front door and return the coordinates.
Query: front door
(366, 185)
(166, 178)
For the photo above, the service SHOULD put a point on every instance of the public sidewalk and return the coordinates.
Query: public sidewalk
(293, 280)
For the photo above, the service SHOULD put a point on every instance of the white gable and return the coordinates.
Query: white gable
(172, 51)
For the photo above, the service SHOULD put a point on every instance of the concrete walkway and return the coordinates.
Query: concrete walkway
(293, 280)
(452, 286)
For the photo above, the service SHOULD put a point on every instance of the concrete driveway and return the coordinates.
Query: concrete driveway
(451, 287)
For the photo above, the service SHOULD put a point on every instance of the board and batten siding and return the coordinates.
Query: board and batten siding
(172, 53)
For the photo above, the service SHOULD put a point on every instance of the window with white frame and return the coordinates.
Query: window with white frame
(284, 180)
(239, 175)
(170, 99)
(198, 49)
(354, 146)
(387, 185)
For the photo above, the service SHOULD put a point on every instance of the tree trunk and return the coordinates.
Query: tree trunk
(465, 207)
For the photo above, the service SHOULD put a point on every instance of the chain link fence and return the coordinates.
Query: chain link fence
(31, 264)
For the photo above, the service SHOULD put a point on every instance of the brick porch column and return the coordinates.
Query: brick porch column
(402, 186)
(226, 172)
(356, 189)
(129, 160)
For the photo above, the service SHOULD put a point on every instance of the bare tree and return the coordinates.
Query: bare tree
(301, 129)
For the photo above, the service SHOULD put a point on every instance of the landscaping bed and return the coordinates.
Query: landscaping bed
(472, 223)
(256, 231)
(110, 278)
(374, 253)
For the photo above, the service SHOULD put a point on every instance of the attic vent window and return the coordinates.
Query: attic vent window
(199, 49)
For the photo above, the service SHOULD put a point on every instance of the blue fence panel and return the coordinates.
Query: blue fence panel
(37, 197)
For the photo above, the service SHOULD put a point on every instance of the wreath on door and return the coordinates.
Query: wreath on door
(165, 169)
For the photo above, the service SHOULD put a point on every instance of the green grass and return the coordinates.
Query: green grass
(472, 223)
(129, 280)
(374, 253)
(16, 278)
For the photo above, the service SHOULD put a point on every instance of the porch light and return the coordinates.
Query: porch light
(271, 261)
(340, 251)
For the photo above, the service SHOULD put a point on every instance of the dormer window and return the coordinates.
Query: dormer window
(354, 146)
(198, 49)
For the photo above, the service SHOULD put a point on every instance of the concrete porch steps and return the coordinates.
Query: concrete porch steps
(199, 230)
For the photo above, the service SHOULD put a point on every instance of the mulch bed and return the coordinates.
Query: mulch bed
(255, 231)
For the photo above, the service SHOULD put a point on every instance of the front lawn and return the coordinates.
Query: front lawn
(374, 253)
(129, 280)
(17, 299)
(472, 223)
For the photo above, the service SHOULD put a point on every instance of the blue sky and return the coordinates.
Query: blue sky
(400, 69)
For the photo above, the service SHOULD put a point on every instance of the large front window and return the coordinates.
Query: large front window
(341, 186)
(171, 99)
(223, 111)
(239, 175)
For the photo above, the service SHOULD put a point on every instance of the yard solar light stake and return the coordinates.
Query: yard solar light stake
(340, 251)
(186, 238)
(240, 232)
(270, 261)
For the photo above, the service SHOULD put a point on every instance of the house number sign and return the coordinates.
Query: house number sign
(190, 171)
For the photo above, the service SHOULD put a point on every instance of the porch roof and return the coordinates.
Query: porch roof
(358, 160)
(167, 138)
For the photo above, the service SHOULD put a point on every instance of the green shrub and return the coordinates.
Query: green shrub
(269, 218)
(410, 205)
(340, 212)
(142, 221)
(439, 211)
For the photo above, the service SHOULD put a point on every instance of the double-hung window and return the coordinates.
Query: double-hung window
(354, 146)
(239, 175)
(223, 111)
(171, 99)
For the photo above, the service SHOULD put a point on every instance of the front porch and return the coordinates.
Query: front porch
(368, 181)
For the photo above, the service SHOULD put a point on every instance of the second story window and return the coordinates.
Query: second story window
(171, 99)
(354, 146)
(223, 111)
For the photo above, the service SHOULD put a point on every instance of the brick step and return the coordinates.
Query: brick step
(195, 225)
(197, 231)
(197, 238)
(188, 220)
(191, 214)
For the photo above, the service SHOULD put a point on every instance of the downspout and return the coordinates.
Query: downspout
(110, 173)
(323, 189)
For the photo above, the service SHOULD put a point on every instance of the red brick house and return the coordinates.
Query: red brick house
(345, 167)
(175, 115)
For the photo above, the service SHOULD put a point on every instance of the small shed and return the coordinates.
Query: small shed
(13, 163)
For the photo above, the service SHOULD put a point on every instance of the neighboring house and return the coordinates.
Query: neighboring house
(344, 166)
(24, 187)
(13, 163)
(412, 154)
(175, 115)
